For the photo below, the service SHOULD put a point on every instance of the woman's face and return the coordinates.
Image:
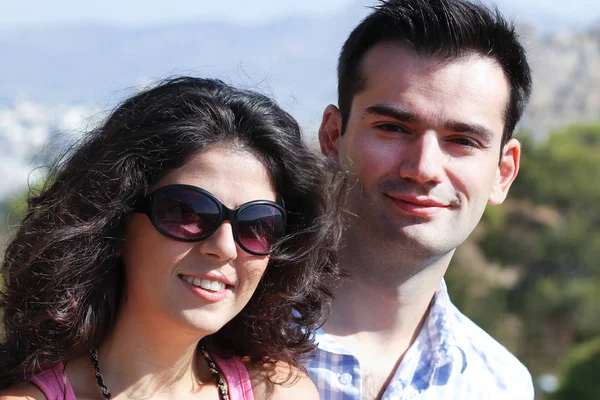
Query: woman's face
(159, 270)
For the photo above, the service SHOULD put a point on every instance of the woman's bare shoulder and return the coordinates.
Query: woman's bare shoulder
(282, 381)
(22, 391)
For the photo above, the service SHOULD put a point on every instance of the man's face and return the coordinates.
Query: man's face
(424, 140)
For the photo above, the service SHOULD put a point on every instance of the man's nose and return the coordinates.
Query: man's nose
(423, 159)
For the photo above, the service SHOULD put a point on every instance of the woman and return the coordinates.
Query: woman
(183, 250)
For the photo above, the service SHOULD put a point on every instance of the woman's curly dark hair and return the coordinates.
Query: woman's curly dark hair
(63, 273)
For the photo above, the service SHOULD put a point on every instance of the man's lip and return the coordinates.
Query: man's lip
(418, 201)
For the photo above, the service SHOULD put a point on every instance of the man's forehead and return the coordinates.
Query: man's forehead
(392, 59)
(396, 76)
(388, 51)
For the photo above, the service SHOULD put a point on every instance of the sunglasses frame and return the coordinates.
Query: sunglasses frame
(146, 206)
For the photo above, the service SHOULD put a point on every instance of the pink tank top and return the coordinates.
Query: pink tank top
(53, 382)
(236, 375)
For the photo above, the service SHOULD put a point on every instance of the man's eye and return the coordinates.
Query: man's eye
(463, 141)
(391, 128)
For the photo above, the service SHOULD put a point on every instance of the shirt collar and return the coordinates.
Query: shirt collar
(442, 331)
(326, 343)
(439, 341)
(439, 351)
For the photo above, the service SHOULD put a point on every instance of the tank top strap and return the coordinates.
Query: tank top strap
(54, 383)
(237, 377)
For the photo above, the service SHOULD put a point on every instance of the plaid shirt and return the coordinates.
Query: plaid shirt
(452, 358)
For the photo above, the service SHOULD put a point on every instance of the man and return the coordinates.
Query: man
(429, 94)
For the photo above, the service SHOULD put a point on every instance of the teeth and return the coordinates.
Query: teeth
(216, 286)
(205, 283)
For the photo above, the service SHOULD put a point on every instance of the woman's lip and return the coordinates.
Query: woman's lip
(207, 295)
(211, 276)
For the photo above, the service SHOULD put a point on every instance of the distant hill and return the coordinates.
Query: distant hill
(566, 68)
(292, 59)
(48, 73)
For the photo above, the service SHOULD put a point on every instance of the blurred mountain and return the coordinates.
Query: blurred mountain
(293, 60)
(548, 16)
(566, 68)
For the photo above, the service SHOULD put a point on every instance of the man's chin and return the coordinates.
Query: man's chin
(425, 241)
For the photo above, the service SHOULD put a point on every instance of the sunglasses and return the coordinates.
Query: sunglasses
(189, 214)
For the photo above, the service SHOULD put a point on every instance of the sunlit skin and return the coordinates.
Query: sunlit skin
(155, 264)
(151, 351)
(424, 143)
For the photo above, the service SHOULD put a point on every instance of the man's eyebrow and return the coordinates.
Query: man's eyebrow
(480, 130)
(401, 114)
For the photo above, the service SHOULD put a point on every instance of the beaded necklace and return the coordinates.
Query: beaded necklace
(212, 366)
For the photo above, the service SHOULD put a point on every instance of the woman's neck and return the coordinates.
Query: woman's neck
(145, 357)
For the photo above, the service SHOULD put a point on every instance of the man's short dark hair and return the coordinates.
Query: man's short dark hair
(439, 28)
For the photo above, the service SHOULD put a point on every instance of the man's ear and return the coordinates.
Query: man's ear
(507, 171)
(330, 132)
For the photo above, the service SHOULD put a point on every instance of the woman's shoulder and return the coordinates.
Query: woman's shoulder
(24, 390)
(50, 384)
(281, 381)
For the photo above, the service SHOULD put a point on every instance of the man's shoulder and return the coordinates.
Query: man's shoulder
(488, 360)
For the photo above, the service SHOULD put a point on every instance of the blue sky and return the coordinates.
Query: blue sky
(548, 14)
(15, 13)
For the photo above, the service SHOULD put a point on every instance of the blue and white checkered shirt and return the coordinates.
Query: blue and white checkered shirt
(452, 358)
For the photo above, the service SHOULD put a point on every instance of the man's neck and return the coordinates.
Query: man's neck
(377, 315)
(375, 312)
(388, 292)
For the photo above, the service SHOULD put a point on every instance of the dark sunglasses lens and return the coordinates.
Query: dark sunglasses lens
(185, 214)
(259, 227)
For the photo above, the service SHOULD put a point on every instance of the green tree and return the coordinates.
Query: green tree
(549, 232)
(582, 369)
